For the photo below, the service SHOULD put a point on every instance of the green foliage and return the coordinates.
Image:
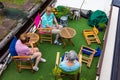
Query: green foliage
(70, 16)
(60, 79)
(18, 2)
(38, 1)
(62, 11)
(59, 14)
(57, 71)
(102, 25)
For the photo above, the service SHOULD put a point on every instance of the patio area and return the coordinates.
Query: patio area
(49, 52)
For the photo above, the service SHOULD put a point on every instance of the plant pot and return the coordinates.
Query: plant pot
(101, 26)
(100, 29)
(58, 20)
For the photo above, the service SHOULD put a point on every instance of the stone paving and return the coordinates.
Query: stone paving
(28, 5)
(8, 24)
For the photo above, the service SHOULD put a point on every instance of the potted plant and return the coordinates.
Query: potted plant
(101, 26)
(61, 11)
(57, 73)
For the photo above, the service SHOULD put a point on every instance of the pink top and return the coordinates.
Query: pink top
(22, 49)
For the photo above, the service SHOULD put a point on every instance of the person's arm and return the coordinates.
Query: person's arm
(56, 22)
(32, 49)
(47, 26)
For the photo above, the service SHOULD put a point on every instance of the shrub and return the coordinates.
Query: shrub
(61, 11)
(57, 73)
(101, 26)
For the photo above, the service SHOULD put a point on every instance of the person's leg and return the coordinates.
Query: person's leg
(60, 26)
(36, 49)
(36, 55)
(56, 40)
(57, 36)
(56, 31)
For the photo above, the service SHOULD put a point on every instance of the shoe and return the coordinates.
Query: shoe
(35, 68)
(43, 60)
(57, 43)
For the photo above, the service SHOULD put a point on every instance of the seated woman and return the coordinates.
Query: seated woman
(70, 62)
(47, 22)
(22, 49)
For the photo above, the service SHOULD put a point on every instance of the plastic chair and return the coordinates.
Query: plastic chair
(91, 35)
(44, 33)
(74, 75)
(89, 55)
(21, 62)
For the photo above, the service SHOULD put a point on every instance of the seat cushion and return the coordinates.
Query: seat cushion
(98, 53)
(12, 47)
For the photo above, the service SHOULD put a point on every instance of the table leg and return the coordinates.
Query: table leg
(71, 42)
(64, 43)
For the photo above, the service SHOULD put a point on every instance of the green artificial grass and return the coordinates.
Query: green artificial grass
(49, 52)
(18, 2)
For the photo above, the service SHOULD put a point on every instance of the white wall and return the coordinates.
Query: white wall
(103, 5)
(93, 5)
(109, 48)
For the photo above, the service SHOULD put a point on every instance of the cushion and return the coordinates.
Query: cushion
(37, 20)
(98, 51)
(12, 47)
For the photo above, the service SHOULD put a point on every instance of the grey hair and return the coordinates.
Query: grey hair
(72, 55)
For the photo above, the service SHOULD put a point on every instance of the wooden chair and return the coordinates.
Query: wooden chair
(21, 62)
(91, 35)
(74, 75)
(45, 34)
(88, 55)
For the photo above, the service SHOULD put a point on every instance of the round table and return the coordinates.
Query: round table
(67, 33)
(34, 38)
